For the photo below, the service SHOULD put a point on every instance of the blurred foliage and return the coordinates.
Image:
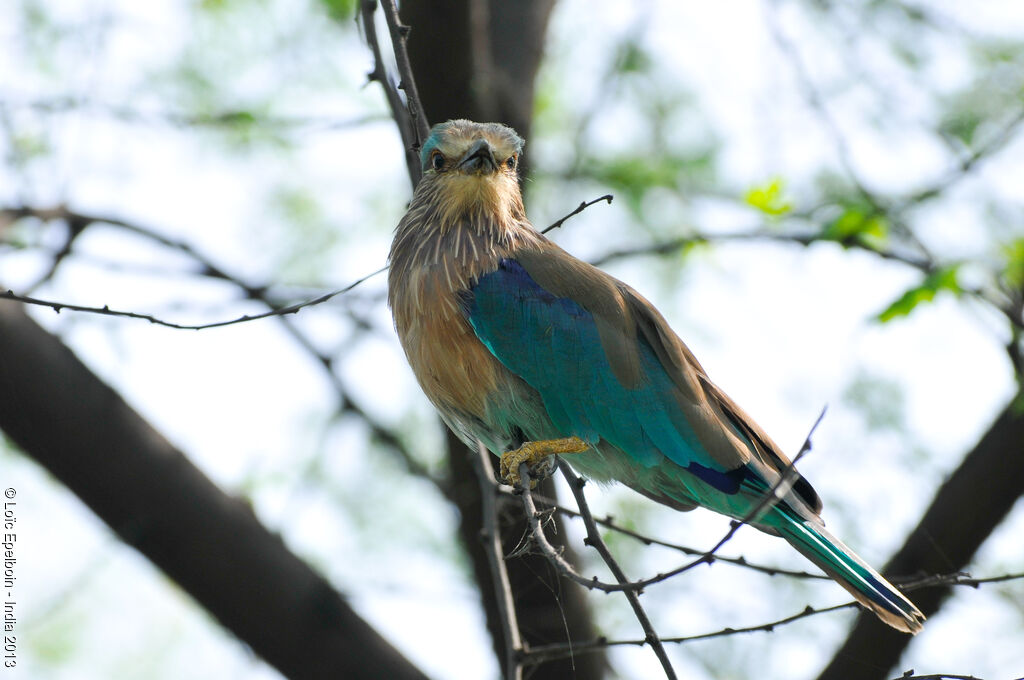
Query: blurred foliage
(945, 279)
(305, 246)
(881, 400)
(858, 223)
(340, 10)
(770, 198)
(996, 93)
(1013, 266)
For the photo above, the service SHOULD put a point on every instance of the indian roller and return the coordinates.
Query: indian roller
(534, 353)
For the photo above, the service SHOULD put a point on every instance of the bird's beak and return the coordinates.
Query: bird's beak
(479, 159)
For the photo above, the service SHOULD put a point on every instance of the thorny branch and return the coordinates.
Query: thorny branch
(399, 34)
(545, 653)
(594, 540)
(536, 519)
(491, 536)
(580, 208)
(609, 523)
(406, 128)
(413, 130)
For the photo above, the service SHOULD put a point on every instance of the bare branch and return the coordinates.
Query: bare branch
(557, 651)
(406, 129)
(208, 267)
(107, 311)
(548, 652)
(399, 34)
(909, 675)
(580, 208)
(803, 239)
(491, 537)
(594, 540)
(994, 143)
(609, 523)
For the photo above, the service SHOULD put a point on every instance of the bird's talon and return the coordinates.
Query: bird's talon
(539, 456)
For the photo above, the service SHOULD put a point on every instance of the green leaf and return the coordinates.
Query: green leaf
(944, 279)
(769, 198)
(339, 10)
(1013, 271)
(858, 224)
(633, 59)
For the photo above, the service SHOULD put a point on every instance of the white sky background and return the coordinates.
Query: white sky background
(783, 330)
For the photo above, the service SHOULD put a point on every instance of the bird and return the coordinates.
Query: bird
(535, 353)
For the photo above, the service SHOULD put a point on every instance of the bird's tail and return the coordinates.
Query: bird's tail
(851, 572)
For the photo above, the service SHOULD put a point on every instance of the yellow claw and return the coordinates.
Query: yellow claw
(534, 453)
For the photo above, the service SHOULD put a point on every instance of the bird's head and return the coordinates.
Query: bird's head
(470, 170)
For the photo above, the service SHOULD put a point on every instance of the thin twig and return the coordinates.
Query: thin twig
(535, 519)
(491, 538)
(398, 111)
(817, 102)
(609, 523)
(545, 653)
(399, 34)
(594, 540)
(995, 142)
(552, 652)
(580, 208)
(909, 675)
(803, 239)
(107, 311)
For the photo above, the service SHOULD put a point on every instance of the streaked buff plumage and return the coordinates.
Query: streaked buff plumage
(440, 248)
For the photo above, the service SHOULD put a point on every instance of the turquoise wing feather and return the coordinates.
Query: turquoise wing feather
(554, 344)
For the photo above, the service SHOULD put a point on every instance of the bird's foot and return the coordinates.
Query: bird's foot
(539, 456)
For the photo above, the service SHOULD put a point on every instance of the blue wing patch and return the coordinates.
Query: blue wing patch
(553, 344)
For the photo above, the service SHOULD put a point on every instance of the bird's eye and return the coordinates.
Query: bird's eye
(511, 162)
(437, 160)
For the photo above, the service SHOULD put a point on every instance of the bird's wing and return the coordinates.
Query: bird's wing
(606, 364)
(677, 359)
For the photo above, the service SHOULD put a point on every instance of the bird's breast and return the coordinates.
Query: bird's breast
(453, 367)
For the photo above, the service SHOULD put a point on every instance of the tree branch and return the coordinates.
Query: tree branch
(609, 523)
(212, 545)
(558, 651)
(491, 537)
(399, 34)
(633, 597)
(406, 130)
(536, 519)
